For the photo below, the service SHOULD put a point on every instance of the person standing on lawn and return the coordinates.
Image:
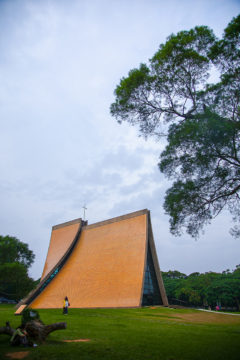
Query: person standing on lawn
(65, 306)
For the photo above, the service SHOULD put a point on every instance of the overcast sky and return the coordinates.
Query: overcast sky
(60, 62)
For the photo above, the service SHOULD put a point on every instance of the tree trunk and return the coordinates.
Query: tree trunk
(237, 302)
(7, 329)
(35, 329)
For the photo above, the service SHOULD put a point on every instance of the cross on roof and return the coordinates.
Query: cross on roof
(84, 210)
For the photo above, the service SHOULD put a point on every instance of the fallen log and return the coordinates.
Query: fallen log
(7, 329)
(36, 330)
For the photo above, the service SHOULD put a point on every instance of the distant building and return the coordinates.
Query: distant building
(112, 263)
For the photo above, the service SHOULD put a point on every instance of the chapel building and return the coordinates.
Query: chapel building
(109, 264)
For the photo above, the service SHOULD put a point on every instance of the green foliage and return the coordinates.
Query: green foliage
(13, 250)
(225, 289)
(174, 274)
(15, 259)
(205, 289)
(188, 296)
(202, 120)
(14, 280)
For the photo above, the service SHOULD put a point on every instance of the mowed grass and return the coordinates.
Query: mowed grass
(144, 333)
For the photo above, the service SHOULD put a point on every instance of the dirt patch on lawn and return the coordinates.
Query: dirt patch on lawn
(77, 340)
(205, 317)
(18, 355)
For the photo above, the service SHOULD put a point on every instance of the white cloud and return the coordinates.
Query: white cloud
(59, 147)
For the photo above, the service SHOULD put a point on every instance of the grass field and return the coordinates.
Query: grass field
(134, 334)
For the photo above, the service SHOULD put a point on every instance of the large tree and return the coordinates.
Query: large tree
(172, 97)
(15, 260)
(14, 281)
(13, 250)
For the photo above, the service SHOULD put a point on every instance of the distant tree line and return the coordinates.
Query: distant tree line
(15, 260)
(208, 289)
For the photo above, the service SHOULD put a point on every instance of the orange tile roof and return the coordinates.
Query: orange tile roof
(61, 238)
(105, 268)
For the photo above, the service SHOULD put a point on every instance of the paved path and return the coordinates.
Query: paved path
(218, 312)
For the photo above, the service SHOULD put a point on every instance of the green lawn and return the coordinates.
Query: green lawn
(145, 333)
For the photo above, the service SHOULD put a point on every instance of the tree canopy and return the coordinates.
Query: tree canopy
(15, 259)
(13, 250)
(208, 289)
(173, 97)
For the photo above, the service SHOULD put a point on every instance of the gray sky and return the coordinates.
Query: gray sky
(60, 62)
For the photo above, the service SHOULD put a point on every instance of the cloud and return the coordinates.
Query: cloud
(59, 147)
